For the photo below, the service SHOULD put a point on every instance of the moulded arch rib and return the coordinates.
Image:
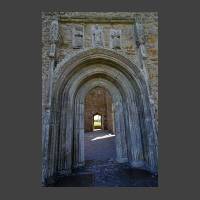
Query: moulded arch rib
(73, 78)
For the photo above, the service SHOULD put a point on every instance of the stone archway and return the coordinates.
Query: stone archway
(119, 130)
(134, 123)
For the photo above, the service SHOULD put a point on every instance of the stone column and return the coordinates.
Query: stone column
(46, 122)
(135, 135)
(79, 158)
(152, 135)
(121, 147)
(140, 42)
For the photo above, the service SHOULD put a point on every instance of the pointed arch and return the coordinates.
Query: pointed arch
(134, 123)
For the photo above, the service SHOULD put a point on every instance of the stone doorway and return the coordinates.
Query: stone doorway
(133, 122)
(99, 137)
(98, 110)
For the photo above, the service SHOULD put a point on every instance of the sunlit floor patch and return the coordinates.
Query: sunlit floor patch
(97, 129)
(102, 137)
(100, 145)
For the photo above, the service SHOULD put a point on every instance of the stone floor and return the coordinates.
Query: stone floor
(101, 169)
(99, 145)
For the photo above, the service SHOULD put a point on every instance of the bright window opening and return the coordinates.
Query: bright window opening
(97, 122)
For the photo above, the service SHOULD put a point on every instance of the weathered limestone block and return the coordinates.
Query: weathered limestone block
(152, 43)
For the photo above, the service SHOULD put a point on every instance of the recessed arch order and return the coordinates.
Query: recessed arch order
(133, 121)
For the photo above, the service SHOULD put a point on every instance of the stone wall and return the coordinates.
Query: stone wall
(117, 51)
(73, 24)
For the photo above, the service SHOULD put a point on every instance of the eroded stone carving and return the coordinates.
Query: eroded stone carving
(54, 31)
(143, 51)
(97, 36)
(139, 33)
(115, 39)
(140, 39)
(77, 37)
(52, 50)
(53, 34)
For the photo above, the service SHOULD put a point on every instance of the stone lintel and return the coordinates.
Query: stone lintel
(96, 20)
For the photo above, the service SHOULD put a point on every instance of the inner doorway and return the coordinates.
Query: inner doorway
(98, 110)
(99, 134)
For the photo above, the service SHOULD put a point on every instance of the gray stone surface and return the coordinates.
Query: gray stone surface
(107, 174)
(78, 37)
(72, 66)
(100, 145)
(115, 38)
(97, 36)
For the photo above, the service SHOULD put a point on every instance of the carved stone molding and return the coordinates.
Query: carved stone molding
(52, 50)
(54, 31)
(140, 40)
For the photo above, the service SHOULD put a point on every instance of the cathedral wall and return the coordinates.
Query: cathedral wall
(76, 31)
